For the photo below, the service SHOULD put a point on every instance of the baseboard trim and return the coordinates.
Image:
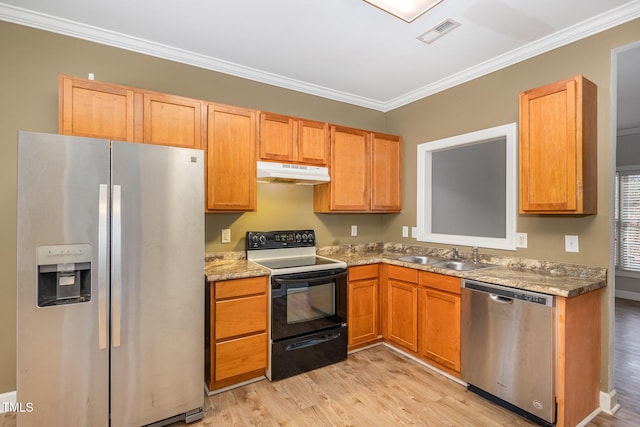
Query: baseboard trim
(635, 296)
(609, 402)
(9, 397)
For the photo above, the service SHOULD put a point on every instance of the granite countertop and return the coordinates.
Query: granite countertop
(566, 280)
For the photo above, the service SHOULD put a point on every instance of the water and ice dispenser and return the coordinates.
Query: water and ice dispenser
(64, 274)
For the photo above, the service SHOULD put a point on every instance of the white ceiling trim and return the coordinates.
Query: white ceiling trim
(54, 24)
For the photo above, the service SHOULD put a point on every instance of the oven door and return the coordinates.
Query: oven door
(303, 303)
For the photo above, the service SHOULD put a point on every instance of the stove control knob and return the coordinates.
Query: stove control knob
(298, 237)
(311, 236)
(305, 237)
(262, 239)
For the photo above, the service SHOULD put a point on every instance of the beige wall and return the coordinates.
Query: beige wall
(32, 60)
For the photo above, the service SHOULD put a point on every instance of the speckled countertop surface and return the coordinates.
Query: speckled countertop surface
(566, 280)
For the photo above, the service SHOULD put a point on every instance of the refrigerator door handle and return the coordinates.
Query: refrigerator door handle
(103, 242)
(116, 266)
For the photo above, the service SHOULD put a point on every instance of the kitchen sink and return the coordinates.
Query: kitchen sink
(421, 259)
(462, 265)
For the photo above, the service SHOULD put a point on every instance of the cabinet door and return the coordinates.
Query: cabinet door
(558, 148)
(363, 311)
(231, 158)
(349, 189)
(386, 173)
(440, 327)
(402, 313)
(93, 109)
(276, 137)
(172, 120)
(312, 142)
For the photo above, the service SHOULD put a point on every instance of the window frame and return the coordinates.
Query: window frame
(632, 170)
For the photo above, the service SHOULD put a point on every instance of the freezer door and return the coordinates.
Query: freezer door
(157, 354)
(62, 348)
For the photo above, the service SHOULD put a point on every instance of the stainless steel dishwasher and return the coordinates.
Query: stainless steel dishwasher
(508, 348)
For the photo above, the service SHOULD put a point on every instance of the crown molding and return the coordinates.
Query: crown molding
(579, 31)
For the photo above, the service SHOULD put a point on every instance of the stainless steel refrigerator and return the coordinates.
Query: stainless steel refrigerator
(110, 289)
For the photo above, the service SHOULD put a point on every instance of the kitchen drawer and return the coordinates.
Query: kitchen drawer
(240, 316)
(240, 356)
(240, 287)
(402, 273)
(361, 272)
(440, 281)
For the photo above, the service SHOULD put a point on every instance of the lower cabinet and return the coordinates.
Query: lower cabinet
(236, 331)
(422, 315)
(402, 306)
(439, 326)
(363, 312)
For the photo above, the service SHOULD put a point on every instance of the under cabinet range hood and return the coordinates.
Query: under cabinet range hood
(289, 173)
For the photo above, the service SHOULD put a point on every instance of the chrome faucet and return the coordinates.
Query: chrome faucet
(474, 252)
(454, 255)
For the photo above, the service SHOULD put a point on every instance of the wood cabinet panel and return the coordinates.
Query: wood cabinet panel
(313, 142)
(402, 313)
(350, 169)
(231, 158)
(94, 109)
(440, 282)
(240, 287)
(240, 316)
(402, 273)
(172, 120)
(440, 327)
(276, 137)
(359, 272)
(290, 139)
(241, 355)
(363, 308)
(386, 173)
(558, 131)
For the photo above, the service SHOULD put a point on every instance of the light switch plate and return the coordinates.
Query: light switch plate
(354, 230)
(571, 244)
(226, 235)
(521, 240)
(405, 231)
(414, 232)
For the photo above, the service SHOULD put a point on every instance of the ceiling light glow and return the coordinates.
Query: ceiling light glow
(407, 10)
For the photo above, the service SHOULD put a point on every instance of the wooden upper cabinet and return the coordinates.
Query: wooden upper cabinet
(313, 142)
(289, 139)
(558, 148)
(173, 120)
(94, 109)
(231, 158)
(366, 173)
(350, 170)
(386, 173)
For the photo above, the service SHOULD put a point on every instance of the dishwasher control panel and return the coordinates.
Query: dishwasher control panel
(509, 293)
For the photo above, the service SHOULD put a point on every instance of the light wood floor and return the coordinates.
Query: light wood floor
(379, 387)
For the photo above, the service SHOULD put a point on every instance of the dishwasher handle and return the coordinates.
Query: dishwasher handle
(500, 299)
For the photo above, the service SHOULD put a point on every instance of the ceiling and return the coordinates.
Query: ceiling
(345, 50)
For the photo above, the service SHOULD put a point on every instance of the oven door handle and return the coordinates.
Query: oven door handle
(283, 280)
(311, 342)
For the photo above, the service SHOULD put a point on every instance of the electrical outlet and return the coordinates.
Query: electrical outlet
(354, 230)
(521, 240)
(405, 231)
(225, 235)
(414, 232)
(571, 244)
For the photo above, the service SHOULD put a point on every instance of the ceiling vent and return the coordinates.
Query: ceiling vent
(438, 31)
